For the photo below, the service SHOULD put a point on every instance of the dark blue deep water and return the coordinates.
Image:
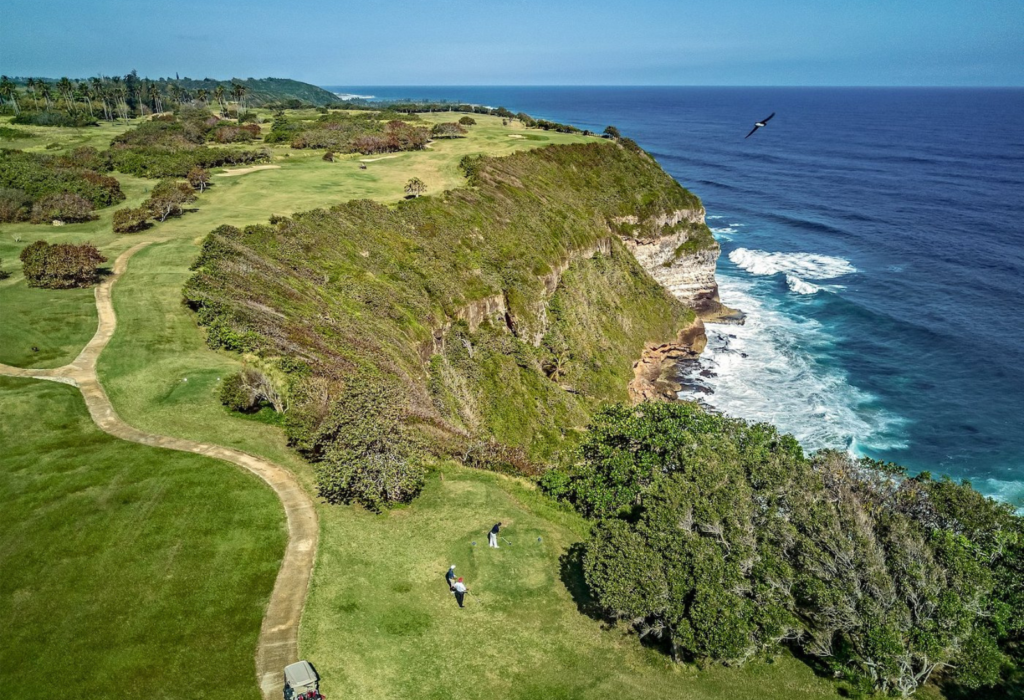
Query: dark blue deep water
(875, 238)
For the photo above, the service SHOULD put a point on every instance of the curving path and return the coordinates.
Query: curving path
(279, 634)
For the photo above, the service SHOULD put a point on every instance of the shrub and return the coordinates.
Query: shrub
(15, 205)
(361, 452)
(199, 178)
(130, 220)
(61, 266)
(467, 121)
(169, 198)
(612, 132)
(39, 175)
(329, 156)
(252, 388)
(78, 119)
(66, 206)
(415, 187)
(4, 274)
(238, 394)
(448, 130)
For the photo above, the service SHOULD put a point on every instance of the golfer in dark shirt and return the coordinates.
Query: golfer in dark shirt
(492, 536)
(450, 576)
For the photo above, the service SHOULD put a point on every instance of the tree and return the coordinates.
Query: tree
(448, 130)
(130, 220)
(169, 197)
(415, 187)
(15, 205)
(8, 92)
(368, 461)
(612, 132)
(467, 121)
(61, 266)
(67, 207)
(199, 178)
(724, 540)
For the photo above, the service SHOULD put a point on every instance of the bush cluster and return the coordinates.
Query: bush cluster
(724, 540)
(344, 133)
(55, 184)
(54, 118)
(62, 265)
(358, 448)
(173, 145)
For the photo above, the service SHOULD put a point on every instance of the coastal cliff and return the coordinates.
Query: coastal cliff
(678, 250)
(508, 311)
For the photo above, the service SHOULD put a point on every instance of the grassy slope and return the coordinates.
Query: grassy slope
(381, 623)
(366, 285)
(126, 568)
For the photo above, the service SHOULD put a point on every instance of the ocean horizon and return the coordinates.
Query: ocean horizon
(872, 235)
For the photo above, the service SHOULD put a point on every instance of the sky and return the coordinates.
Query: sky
(524, 42)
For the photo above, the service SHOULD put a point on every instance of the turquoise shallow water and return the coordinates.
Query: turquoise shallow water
(875, 237)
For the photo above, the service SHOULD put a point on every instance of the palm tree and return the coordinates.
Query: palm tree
(218, 92)
(8, 92)
(238, 92)
(44, 90)
(64, 88)
(201, 95)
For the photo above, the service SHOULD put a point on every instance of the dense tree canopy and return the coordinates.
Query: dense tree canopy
(726, 541)
(62, 265)
(47, 187)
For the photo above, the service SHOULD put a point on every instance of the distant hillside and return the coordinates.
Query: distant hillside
(264, 90)
(259, 91)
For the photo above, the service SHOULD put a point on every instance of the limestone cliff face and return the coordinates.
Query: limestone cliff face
(685, 265)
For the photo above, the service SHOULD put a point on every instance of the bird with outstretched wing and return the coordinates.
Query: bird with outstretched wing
(759, 124)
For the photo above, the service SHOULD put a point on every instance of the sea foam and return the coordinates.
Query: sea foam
(797, 285)
(776, 369)
(805, 265)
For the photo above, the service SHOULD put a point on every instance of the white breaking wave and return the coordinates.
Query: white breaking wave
(797, 285)
(725, 232)
(775, 368)
(352, 96)
(806, 265)
(715, 216)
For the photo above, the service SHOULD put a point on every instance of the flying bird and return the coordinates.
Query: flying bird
(759, 124)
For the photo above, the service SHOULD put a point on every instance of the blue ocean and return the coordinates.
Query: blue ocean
(875, 240)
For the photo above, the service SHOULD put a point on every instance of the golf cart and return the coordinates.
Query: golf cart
(301, 682)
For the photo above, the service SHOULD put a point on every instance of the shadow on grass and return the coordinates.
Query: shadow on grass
(571, 572)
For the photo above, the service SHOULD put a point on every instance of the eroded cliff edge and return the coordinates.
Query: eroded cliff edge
(679, 251)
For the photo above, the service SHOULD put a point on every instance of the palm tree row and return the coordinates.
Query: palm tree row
(116, 97)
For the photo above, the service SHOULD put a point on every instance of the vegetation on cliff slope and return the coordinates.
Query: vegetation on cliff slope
(364, 295)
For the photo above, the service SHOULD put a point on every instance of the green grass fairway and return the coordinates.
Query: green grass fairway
(380, 622)
(128, 571)
(59, 322)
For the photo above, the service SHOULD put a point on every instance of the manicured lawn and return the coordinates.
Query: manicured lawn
(381, 623)
(58, 322)
(128, 571)
(158, 371)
